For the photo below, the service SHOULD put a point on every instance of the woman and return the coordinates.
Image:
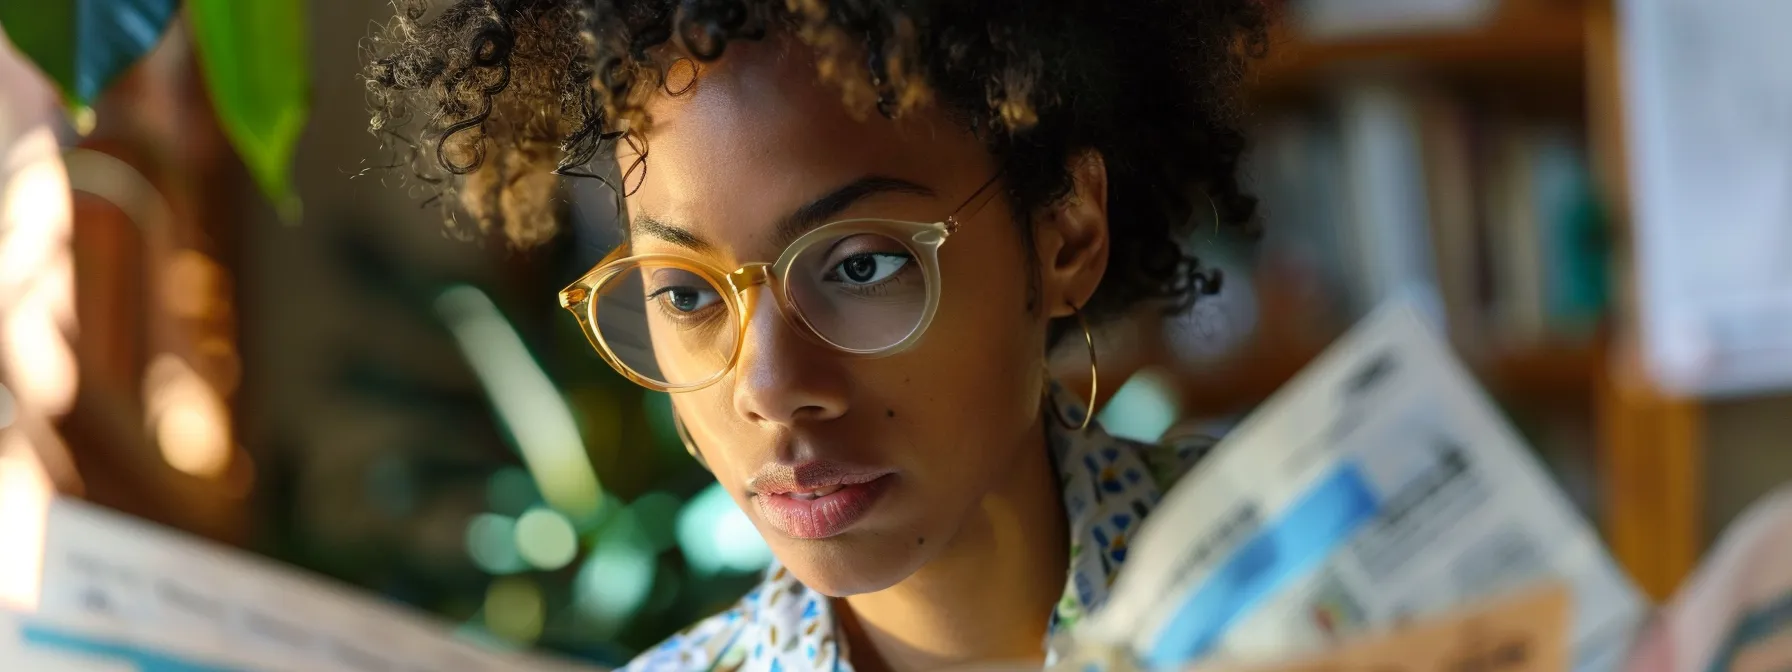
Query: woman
(853, 231)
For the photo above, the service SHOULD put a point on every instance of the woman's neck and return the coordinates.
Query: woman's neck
(987, 596)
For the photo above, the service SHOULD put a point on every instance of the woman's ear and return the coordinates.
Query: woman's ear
(1070, 237)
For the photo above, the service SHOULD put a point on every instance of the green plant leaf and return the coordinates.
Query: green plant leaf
(85, 44)
(257, 68)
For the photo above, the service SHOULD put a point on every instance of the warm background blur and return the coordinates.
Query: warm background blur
(349, 389)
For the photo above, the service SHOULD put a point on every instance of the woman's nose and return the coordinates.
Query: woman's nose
(782, 378)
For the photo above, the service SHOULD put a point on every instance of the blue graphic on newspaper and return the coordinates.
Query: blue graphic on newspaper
(1283, 551)
(143, 659)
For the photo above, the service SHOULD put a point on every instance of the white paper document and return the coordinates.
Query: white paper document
(1379, 486)
(116, 594)
(1708, 86)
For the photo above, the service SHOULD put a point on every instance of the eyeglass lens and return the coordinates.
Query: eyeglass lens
(862, 291)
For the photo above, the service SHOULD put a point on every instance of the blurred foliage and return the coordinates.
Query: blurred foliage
(253, 55)
(83, 45)
(665, 548)
(258, 72)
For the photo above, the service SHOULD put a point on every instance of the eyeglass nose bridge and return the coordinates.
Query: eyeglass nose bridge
(744, 278)
(750, 276)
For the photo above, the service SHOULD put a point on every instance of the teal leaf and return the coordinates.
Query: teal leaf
(83, 45)
(257, 68)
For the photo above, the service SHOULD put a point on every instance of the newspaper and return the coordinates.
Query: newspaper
(1527, 632)
(118, 594)
(1380, 486)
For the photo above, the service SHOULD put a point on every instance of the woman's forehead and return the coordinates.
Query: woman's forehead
(757, 136)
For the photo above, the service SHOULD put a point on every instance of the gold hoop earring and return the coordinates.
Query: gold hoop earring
(1094, 377)
(684, 435)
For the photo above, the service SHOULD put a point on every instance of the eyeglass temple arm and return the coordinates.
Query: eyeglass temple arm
(576, 293)
(979, 198)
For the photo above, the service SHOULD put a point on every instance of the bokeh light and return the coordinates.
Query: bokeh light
(192, 284)
(616, 579)
(514, 609)
(1142, 408)
(491, 543)
(190, 422)
(717, 537)
(545, 539)
(193, 439)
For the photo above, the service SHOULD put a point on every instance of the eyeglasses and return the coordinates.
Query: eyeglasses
(865, 287)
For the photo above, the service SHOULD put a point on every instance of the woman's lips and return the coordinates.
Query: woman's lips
(824, 511)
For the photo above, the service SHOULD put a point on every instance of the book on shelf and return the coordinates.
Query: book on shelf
(1416, 190)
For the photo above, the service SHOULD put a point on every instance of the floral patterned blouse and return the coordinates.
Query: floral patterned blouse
(1109, 485)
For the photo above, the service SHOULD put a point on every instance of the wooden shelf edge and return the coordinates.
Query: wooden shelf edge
(1523, 36)
(1546, 372)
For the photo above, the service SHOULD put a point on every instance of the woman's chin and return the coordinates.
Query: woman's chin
(840, 584)
(841, 568)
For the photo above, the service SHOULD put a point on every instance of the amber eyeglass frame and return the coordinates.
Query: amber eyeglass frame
(923, 239)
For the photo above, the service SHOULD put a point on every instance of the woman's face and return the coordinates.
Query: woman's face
(857, 471)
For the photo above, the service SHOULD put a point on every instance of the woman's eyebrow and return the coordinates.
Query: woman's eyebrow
(651, 226)
(823, 210)
(812, 214)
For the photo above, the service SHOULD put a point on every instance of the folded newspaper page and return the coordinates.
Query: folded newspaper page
(1527, 632)
(1379, 486)
(89, 590)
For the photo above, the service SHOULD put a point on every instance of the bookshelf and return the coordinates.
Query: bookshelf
(1557, 59)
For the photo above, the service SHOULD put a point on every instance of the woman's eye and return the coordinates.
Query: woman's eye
(872, 268)
(686, 299)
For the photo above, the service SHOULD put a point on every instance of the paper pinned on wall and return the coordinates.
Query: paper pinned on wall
(1709, 116)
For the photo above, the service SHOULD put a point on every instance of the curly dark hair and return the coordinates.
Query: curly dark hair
(494, 99)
